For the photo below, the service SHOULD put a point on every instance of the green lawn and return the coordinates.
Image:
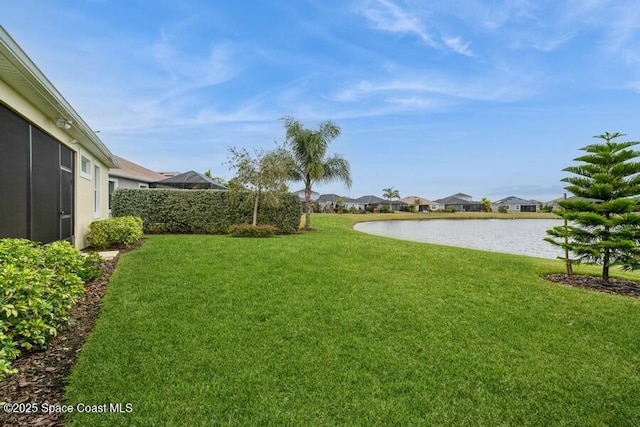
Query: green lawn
(335, 327)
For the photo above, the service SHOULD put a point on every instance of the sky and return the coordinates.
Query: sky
(488, 98)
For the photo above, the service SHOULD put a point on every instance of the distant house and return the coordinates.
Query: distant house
(425, 205)
(329, 203)
(460, 202)
(53, 166)
(555, 206)
(369, 202)
(516, 205)
(301, 195)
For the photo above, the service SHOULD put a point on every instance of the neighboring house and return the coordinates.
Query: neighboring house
(460, 202)
(329, 202)
(191, 180)
(555, 206)
(425, 205)
(169, 174)
(301, 195)
(369, 202)
(53, 167)
(130, 175)
(516, 205)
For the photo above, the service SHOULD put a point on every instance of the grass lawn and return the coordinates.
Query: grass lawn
(336, 327)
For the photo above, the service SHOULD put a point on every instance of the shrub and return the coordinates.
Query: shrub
(38, 286)
(450, 209)
(202, 211)
(248, 230)
(115, 232)
(503, 208)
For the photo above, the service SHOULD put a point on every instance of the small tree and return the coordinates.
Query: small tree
(217, 179)
(261, 176)
(340, 205)
(390, 194)
(415, 205)
(486, 204)
(605, 228)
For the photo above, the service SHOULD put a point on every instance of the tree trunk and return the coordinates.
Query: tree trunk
(605, 266)
(255, 209)
(307, 207)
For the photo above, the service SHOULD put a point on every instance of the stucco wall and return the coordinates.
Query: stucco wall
(83, 192)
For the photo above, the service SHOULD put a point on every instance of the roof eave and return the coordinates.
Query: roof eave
(36, 78)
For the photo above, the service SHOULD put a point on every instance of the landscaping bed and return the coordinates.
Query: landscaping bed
(614, 286)
(42, 374)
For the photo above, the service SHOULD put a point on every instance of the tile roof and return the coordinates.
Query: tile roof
(135, 172)
(370, 200)
(513, 200)
(411, 199)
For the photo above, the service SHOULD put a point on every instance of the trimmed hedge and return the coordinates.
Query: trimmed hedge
(115, 232)
(38, 287)
(201, 211)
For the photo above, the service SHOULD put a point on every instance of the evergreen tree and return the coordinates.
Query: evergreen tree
(604, 224)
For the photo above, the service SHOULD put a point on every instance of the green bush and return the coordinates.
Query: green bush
(115, 232)
(249, 230)
(202, 211)
(38, 287)
(503, 208)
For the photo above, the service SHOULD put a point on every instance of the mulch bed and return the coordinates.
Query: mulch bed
(42, 375)
(614, 286)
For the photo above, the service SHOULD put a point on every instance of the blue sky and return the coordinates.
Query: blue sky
(489, 98)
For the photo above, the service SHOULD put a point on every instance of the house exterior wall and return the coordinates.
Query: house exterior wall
(515, 207)
(83, 188)
(129, 183)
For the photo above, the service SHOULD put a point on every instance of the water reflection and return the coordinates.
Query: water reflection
(514, 236)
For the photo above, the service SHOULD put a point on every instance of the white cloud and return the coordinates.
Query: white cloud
(499, 87)
(457, 45)
(387, 16)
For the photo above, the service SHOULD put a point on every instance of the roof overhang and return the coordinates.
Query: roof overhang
(19, 72)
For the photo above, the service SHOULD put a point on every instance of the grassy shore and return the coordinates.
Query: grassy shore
(336, 327)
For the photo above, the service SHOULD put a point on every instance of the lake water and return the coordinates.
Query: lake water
(514, 236)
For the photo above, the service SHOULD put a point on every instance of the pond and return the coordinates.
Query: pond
(514, 236)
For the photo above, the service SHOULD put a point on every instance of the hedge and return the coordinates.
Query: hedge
(201, 211)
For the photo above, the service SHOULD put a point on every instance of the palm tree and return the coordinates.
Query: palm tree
(309, 160)
(390, 194)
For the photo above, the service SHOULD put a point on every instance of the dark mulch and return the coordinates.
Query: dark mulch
(614, 286)
(42, 375)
